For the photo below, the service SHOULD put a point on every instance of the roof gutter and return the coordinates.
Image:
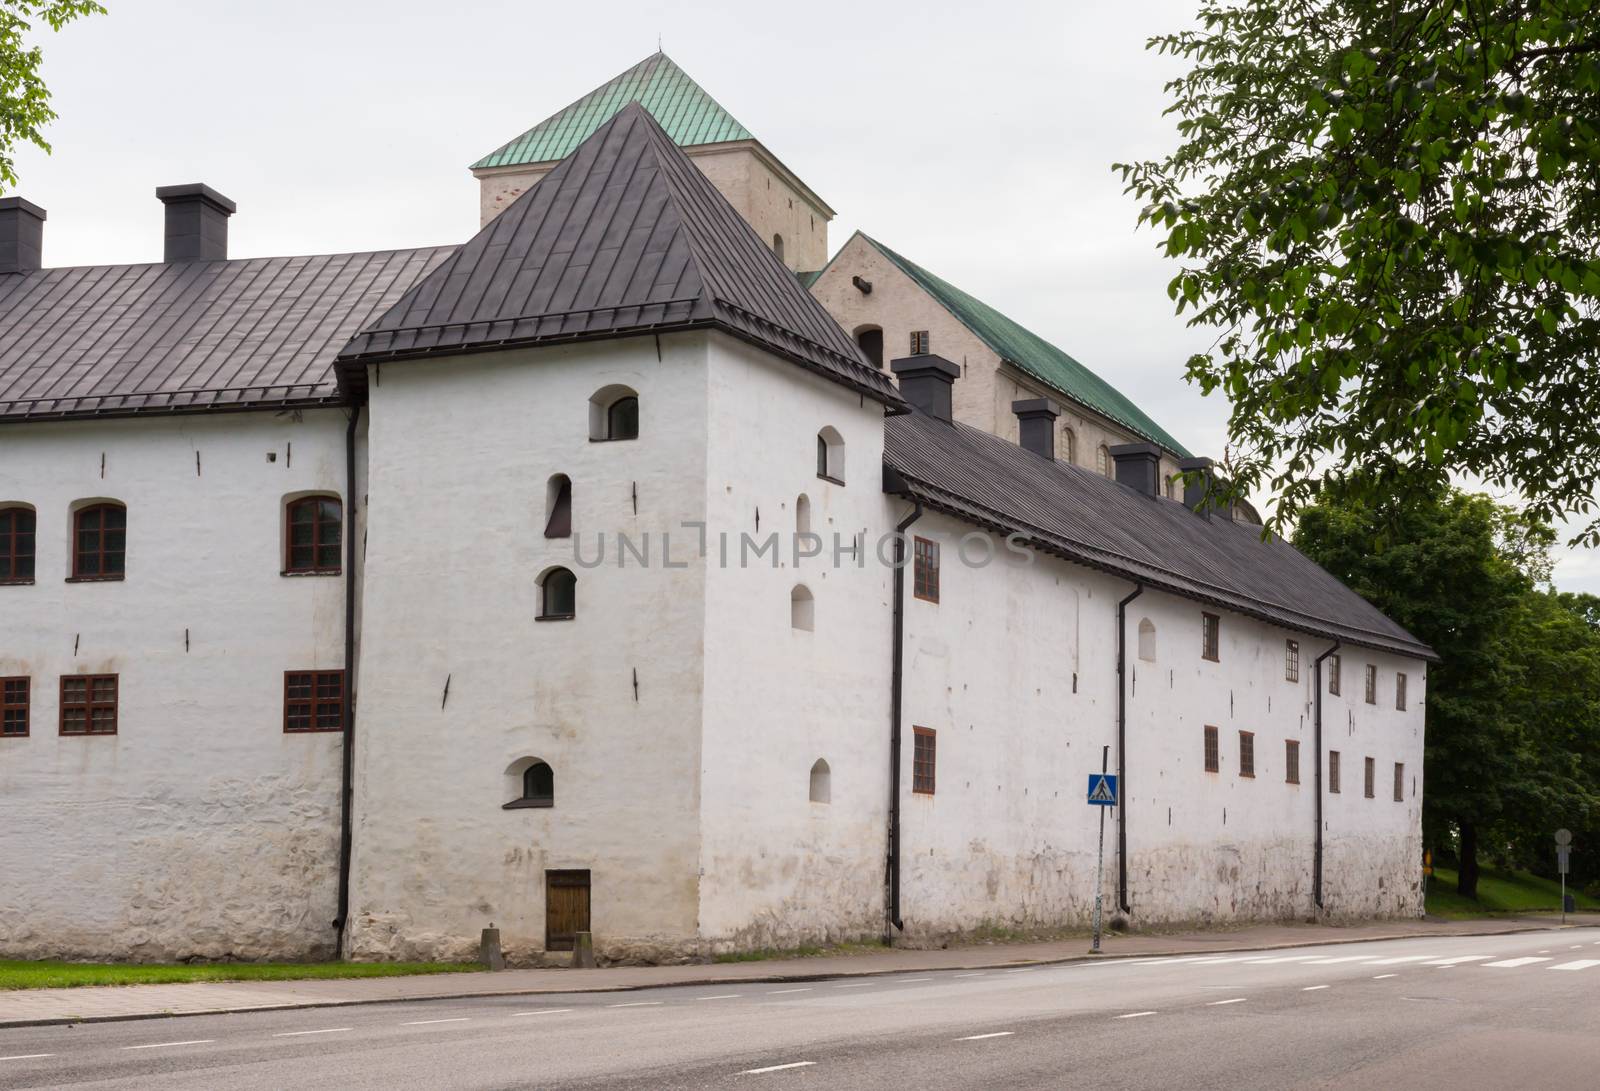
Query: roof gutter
(1316, 720)
(1122, 748)
(896, 692)
(347, 774)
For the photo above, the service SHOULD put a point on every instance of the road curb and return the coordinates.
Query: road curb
(725, 981)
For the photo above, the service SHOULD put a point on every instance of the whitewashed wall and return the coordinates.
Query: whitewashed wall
(462, 450)
(200, 829)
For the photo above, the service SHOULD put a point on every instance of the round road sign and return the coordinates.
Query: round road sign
(1563, 837)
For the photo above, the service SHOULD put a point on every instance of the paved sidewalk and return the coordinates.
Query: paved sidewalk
(32, 1007)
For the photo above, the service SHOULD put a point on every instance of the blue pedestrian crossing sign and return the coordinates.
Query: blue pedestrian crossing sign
(1102, 790)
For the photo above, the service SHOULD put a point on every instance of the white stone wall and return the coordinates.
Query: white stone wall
(200, 829)
(462, 451)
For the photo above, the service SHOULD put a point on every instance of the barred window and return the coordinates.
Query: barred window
(924, 759)
(1333, 772)
(1291, 660)
(1247, 753)
(14, 701)
(1210, 636)
(1399, 782)
(1400, 691)
(1333, 675)
(1372, 684)
(88, 704)
(1213, 755)
(315, 524)
(1372, 770)
(313, 701)
(17, 525)
(1291, 761)
(925, 570)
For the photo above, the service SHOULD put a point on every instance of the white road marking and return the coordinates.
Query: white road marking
(1581, 964)
(541, 1011)
(1313, 988)
(1380, 977)
(1022, 970)
(1575, 947)
(1342, 958)
(722, 996)
(1513, 962)
(776, 1068)
(1406, 958)
(426, 1022)
(981, 1037)
(164, 1045)
(1214, 961)
(1546, 951)
(1235, 1000)
(780, 992)
(1135, 1014)
(299, 1033)
(1290, 958)
(1459, 959)
(26, 1056)
(909, 980)
(855, 985)
(639, 1004)
(975, 973)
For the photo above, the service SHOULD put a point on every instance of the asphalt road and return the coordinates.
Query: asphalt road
(1517, 1011)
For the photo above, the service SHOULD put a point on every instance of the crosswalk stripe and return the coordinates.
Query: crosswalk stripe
(1407, 958)
(1343, 958)
(1290, 958)
(1581, 964)
(1459, 959)
(1510, 962)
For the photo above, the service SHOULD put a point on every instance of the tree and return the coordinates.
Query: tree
(1438, 567)
(24, 99)
(1390, 213)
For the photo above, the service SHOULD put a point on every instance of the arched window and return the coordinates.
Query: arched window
(535, 785)
(311, 544)
(802, 610)
(1172, 487)
(18, 525)
(777, 246)
(870, 340)
(1102, 460)
(1069, 445)
(558, 595)
(558, 507)
(1147, 640)
(99, 542)
(802, 514)
(821, 788)
(614, 414)
(830, 455)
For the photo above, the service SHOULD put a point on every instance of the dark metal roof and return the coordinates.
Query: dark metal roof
(1084, 517)
(625, 236)
(121, 340)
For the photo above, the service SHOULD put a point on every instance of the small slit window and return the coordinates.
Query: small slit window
(1210, 636)
(802, 608)
(821, 786)
(1399, 782)
(1371, 775)
(1247, 754)
(924, 760)
(314, 526)
(830, 456)
(1400, 691)
(18, 534)
(802, 514)
(1333, 675)
(614, 414)
(1102, 460)
(869, 339)
(1333, 772)
(1069, 445)
(558, 595)
(1291, 761)
(1372, 684)
(558, 507)
(1291, 660)
(99, 547)
(1213, 751)
(925, 569)
(1147, 640)
(777, 246)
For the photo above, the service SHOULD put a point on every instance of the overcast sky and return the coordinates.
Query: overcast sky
(975, 139)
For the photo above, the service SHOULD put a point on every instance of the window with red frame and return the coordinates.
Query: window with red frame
(313, 701)
(88, 704)
(16, 545)
(924, 760)
(314, 525)
(1247, 753)
(14, 701)
(925, 570)
(1213, 751)
(99, 550)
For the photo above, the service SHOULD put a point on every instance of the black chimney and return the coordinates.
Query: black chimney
(925, 382)
(1138, 467)
(21, 236)
(197, 222)
(1036, 426)
(1195, 489)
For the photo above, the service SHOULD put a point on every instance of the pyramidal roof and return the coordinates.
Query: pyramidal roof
(685, 111)
(624, 237)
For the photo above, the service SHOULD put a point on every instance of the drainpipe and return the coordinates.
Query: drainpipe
(895, 690)
(1316, 720)
(1122, 748)
(347, 782)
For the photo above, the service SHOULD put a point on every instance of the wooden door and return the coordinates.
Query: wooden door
(566, 908)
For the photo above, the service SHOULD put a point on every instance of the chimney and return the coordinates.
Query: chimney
(1036, 426)
(197, 222)
(925, 382)
(1138, 467)
(21, 236)
(1194, 492)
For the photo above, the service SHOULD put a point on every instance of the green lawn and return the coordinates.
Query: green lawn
(16, 974)
(1498, 892)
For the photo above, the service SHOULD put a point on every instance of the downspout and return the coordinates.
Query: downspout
(1316, 721)
(895, 691)
(347, 782)
(1122, 748)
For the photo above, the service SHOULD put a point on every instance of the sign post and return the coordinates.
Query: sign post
(1563, 851)
(1102, 794)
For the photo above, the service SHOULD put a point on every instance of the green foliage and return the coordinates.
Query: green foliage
(49, 974)
(24, 99)
(1500, 892)
(1389, 212)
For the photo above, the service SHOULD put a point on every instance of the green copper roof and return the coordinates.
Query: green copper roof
(680, 105)
(1029, 352)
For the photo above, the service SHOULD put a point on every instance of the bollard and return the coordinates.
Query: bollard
(583, 951)
(489, 949)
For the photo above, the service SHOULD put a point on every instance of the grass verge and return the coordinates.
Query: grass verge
(49, 974)
(1498, 892)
